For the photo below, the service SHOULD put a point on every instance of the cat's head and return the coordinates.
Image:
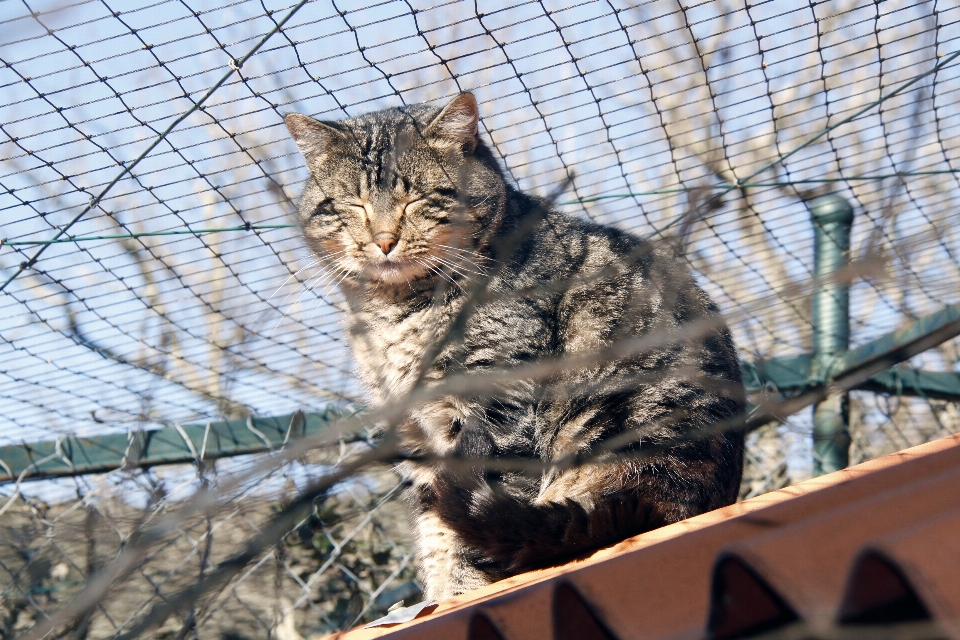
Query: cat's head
(399, 194)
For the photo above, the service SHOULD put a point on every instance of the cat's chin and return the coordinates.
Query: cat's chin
(394, 271)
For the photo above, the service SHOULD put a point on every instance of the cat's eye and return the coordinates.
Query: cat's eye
(354, 207)
(323, 208)
(410, 206)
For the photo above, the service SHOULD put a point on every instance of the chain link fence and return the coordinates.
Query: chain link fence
(345, 563)
(152, 276)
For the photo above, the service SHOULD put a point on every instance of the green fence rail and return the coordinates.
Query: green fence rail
(71, 456)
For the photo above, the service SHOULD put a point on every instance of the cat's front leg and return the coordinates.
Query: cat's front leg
(435, 429)
(443, 568)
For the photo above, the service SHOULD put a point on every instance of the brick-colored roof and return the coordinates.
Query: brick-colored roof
(878, 543)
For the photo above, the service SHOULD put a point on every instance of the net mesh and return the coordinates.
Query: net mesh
(182, 293)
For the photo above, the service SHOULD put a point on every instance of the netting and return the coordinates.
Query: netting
(144, 152)
(346, 562)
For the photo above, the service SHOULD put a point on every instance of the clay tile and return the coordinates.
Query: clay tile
(482, 629)
(808, 562)
(908, 573)
(878, 593)
(525, 614)
(742, 604)
(573, 619)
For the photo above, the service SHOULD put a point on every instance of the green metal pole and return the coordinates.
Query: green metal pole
(832, 219)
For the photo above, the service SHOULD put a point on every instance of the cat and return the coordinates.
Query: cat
(410, 210)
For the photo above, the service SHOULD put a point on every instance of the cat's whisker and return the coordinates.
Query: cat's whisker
(452, 268)
(482, 202)
(346, 273)
(288, 309)
(457, 251)
(433, 260)
(453, 263)
(465, 264)
(295, 303)
(333, 257)
(316, 280)
(319, 278)
(326, 297)
(320, 282)
(333, 285)
(313, 262)
(468, 257)
(439, 272)
(341, 271)
(292, 276)
(329, 260)
(329, 257)
(472, 257)
(323, 262)
(469, 252)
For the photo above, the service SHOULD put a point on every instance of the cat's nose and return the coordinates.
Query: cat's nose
(386, 241)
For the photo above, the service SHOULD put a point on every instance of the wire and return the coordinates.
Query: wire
(235, 66)
(611, 196)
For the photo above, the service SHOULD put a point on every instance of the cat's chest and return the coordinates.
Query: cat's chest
(389, 343)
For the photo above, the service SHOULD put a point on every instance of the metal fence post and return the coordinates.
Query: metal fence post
(832, 219)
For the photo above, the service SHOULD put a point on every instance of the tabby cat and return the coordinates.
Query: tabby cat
(410, 210)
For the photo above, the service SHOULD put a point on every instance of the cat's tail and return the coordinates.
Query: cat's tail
(503, 535)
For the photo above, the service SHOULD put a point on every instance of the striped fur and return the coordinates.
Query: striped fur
(410, 210)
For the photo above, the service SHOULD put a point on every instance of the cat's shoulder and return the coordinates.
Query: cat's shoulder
(610, 241)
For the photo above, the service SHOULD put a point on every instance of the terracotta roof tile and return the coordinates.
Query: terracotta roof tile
(879, 593)
(807, 563)
(658, 584)
(925, 557)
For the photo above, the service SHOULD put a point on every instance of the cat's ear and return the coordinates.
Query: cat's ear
(458, 121)
(312, 136)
